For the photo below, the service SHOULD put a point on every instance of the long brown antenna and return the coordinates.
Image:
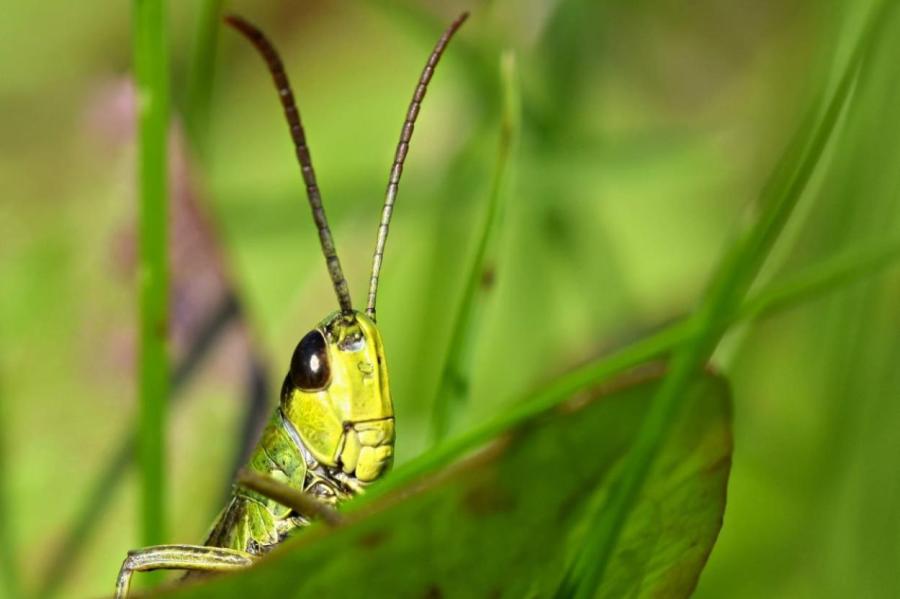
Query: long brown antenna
(276, 68)
(400, 157)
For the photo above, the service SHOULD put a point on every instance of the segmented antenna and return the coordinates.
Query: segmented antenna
(400, 156)
(276, 68)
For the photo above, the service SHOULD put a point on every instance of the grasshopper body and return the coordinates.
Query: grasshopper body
(332, 433)
(333, 430)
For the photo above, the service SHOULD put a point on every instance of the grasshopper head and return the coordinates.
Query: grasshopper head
(336, 396)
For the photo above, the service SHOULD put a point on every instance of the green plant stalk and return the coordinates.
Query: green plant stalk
(202, 75)
(709, 323)
(151, 74)
(453, 387)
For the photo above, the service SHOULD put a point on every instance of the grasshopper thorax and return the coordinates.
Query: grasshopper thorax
(337, 399)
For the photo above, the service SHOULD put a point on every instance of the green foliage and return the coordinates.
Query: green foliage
(498, 519)
(646, 130)
(843, 487)
(729, 287)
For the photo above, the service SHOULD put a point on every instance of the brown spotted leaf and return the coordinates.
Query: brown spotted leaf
(502, 520)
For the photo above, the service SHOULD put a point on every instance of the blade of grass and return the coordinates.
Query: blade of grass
(453, 386)
(151, 74)
(305, 504)
(458, 181)
(729, 287)
(832, 274)
(202, 75)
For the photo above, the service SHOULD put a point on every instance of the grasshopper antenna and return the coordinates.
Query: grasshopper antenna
(276, 68)
(400, 156)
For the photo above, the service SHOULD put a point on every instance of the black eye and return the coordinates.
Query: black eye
(309, 364)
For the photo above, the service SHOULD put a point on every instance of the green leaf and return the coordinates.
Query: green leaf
(498, 520)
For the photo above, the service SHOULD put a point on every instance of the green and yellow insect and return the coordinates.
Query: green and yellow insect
(333, 431)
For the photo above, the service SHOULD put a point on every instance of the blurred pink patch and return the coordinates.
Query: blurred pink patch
(199, 285)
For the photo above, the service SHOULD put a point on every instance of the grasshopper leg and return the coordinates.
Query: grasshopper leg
(179, 557)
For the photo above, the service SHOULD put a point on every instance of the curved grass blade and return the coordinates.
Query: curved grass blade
(654, 346)
(453, 387)
(300, 502)
(729, 287)
(511, 505)
(660, 344)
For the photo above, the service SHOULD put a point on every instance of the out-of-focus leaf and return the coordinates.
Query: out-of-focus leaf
(498, 521)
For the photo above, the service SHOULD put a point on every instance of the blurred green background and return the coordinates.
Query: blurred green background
(647, 132)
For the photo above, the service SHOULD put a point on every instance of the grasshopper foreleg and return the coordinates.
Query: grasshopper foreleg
(179, 557)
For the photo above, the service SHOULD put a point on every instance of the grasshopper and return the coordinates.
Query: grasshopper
(333, 430)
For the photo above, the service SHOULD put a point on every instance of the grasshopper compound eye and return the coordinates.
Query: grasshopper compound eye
(310, 370)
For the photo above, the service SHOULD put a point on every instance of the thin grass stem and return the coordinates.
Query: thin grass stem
(151, 75)
(453, 388)
(832, 274)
